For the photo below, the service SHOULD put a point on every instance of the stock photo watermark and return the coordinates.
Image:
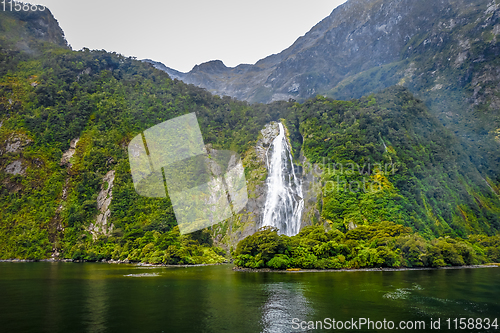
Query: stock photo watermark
(409, 325)
(206, 186)
(19, 6)
(331, 177)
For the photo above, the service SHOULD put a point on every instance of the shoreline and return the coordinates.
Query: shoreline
(382, 269)
(124, 262)
(254, 270)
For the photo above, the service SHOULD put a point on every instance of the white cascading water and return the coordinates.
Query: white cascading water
(284, 202)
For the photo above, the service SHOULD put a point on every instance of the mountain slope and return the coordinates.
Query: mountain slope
(355, 37)
(446, 52)
(67, 117)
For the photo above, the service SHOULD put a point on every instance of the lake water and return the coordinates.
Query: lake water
(98, 297)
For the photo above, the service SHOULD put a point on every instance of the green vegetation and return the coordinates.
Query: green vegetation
(53, 95)
(50, 96)
(385, 158)
(384, 245)
(421, 211)
(154, 247)
(452, 68)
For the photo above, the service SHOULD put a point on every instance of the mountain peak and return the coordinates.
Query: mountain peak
(212, 67)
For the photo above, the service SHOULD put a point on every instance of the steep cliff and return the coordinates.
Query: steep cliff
(21, 30)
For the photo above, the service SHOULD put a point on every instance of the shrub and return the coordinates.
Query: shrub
(280, 261)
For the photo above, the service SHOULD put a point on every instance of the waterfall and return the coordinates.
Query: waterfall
(284, 201)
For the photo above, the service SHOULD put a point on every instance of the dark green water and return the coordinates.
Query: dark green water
(93, 297)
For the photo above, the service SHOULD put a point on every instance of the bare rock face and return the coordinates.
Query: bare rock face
(256, 170)
(69, 153)
(248, 220)
(16, 168)
(357, 36)
(103, 201)
(15, 144)
(40, 25)
(269, 133)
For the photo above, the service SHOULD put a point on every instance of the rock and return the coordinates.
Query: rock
(355, 37)
(15, 144)
(103, 201)
(16, 168)
(69, 153)
(269, 133)
(352, 226)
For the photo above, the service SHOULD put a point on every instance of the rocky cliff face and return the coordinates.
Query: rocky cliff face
(355, 37)
(22, 28)
(104, 198)
(255, 161)
(247, 222)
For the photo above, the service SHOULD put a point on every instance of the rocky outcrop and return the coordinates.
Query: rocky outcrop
(16, 168)
(39, 25)
(103, 201)
(268, 134)
(255, 162)
(13, 148)
(69, 153)
(15, 144)
(248, 220)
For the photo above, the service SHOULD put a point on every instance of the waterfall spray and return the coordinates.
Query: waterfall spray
(284, 202)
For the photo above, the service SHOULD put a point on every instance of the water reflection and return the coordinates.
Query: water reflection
(44, 297)
(285, 302)
(96, 305)
(53, 311)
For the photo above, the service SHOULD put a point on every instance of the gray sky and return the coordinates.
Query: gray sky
(185, 33)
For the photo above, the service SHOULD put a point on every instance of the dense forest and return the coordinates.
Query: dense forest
(384, 245)
(432, 199)
(52, 96)
(424, 178)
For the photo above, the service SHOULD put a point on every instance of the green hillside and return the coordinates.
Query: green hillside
(66, 119)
